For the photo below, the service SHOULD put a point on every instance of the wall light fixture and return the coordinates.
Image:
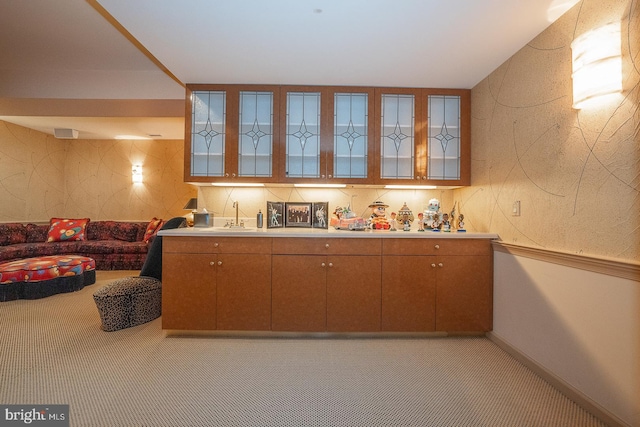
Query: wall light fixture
(597, 64)
(136, 174)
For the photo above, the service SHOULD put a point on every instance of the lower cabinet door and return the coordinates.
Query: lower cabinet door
(353, 293)
(188, 291)
(298, 291)
(408, 294)
(243, 292)
(464, 292)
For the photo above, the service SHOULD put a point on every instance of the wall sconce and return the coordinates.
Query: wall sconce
(191, 205)
(597, 64)
(136, 174)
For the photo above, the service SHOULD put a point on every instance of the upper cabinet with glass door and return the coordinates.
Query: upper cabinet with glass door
(230, 133)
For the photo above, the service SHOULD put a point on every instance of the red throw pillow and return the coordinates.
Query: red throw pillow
(152, 228)
(64, 230)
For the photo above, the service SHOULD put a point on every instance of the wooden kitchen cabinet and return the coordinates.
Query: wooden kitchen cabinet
(327, 134)
(321, 285)
(437, 285)
(219, 283)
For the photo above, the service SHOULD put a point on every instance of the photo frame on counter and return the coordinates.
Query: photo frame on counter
(320, 215)
(275, 214)
(298, 214)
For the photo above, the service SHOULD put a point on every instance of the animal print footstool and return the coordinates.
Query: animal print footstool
(128, 302)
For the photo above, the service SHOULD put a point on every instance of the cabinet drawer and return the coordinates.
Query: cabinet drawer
(436, 247)
(209, 245)
(324, 246)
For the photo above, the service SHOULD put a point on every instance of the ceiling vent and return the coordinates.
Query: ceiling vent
(65, 133)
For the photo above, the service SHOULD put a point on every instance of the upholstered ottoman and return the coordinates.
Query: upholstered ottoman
(33, 278)
(128, 302)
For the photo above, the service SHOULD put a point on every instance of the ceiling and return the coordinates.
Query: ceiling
(61, 59)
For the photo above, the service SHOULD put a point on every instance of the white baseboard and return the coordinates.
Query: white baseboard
(571, 392)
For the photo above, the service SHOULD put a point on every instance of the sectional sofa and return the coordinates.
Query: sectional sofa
(114, 245)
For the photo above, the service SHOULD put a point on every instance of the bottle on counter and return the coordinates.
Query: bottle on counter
(259, 218)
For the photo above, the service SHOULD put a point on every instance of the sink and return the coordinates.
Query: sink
(234, 229)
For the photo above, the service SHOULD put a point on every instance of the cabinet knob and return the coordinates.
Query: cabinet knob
(212, 263)
(219, 262)
(433, 266)
(233, 175)
(215, 245)
(226, 175)
(330, 176)
(440, 265)
(330, 264)
(437, 246)
(323, 177)
(323, 264)
(326, 245)
(424, 177)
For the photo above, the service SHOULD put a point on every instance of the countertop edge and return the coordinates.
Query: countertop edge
(322, 233)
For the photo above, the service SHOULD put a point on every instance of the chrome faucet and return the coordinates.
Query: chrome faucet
(238, 224)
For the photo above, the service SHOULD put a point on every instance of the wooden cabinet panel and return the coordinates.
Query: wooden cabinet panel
(332, 246)
(244, 292)
(464, 294)
(408, 294)
(299, 293)
(188, 291)
(353, 294)
(185, 244)
(432, 246)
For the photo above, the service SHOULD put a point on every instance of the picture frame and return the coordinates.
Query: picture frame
(298, 214)
(275, 215)
(320, 215)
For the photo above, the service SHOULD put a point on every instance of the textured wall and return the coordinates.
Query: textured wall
(576, 172)
(42, 177)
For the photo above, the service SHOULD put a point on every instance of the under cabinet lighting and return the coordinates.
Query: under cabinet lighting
(410, 187)
(237, 184)
(320, 185)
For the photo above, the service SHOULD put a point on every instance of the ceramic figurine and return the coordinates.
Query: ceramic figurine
(405, 216)
(432, 214)
(461, 228)
(378, 219)
(420, 221)
(392, 222)
(446, 225)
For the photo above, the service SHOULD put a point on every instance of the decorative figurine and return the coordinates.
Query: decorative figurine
(346, 219)
(405, 217)
(393, 222)
(420, 221)
(432, 215)
(378, 219)
(461, 228)
(446, 225)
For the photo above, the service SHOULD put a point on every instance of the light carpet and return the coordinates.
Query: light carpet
(53, 352)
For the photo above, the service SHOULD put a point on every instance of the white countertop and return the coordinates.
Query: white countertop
(317, 232)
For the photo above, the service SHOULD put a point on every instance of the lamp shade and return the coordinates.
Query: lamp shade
(192, 204)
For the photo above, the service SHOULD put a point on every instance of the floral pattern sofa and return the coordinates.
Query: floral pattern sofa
(114, 245)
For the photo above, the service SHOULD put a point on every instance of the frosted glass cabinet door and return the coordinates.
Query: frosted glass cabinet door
(397, 140)
(303, 135)
(350, 135)
(208, 121)
(444, 137)
(255, 151)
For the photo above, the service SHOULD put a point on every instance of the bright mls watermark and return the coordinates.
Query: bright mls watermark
(34, 415)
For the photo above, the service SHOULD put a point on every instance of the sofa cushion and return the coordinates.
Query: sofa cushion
(100, 230)
(152, 228)
(63, 229)
(125, 231)
(37, 233)
(12, 233)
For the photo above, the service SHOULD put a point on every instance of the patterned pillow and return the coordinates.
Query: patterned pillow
(152, 228)
(64, 230)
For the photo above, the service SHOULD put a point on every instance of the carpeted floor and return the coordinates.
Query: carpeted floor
(53, 352)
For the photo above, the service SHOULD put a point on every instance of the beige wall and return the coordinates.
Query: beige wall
(575, 172)
(42, 177)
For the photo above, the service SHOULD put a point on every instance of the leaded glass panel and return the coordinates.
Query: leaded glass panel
(255, 134)
(303, 135)
(397, 140)
(444, 137)
(350, 137)
(208, 118)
